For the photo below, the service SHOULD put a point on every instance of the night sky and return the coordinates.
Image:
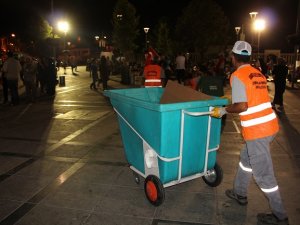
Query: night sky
(94, 16)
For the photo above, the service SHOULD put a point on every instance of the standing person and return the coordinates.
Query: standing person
(109, 66)
(4, 86)
(42, 74)
(263, 67)
(12, 69)
(73, 63)
(65, 63)
(93, 67)
(280, 73)
(51, 77)
(166, 66)
(180, 67)
(104, 72)
(259, 126)
(29, 78)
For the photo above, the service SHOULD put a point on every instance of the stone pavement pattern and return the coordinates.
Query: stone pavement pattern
(62, 162)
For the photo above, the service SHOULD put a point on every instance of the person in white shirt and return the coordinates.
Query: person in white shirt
(180, 67)
(12, 69)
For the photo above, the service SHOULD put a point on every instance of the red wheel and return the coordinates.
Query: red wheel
(154, 190)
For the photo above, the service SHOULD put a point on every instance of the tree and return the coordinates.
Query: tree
(164, 42)
(38, 36)
(203, 24)
(125, 23)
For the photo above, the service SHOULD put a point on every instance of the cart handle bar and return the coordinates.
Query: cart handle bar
(196, 113)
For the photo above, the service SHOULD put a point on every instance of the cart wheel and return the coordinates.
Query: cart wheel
(136, 177)
(214, 177)
(154, 190)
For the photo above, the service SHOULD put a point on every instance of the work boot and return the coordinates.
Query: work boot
(242, 200)
(271, 219)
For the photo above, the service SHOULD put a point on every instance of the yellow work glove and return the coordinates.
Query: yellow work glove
(218, 112)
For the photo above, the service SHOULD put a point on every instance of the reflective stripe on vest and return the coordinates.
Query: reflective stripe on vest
(263, 119)
(153, 83)
(246, 169)
(153, 80)
(256, 108)
(269, 190)
(152, 86)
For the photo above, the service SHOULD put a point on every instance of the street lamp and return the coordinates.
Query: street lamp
(119, 16)
(259, 26)
(146, 30)
(252, 17)
(64, 27)
(237, 31)
(102, 42)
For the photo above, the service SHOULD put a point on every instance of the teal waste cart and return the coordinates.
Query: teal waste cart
(167, 144)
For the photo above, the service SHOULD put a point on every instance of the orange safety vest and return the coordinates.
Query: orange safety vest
(259, 120)
(152, 75)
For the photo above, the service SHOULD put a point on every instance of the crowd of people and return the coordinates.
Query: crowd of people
(213, 75)
(39, 76)
(179, 68)
(100, 70)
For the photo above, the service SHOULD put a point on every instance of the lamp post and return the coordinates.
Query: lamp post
(12, 42)
(237, 31)
(259, 26)
(97, 43)
(64, 27)
(119, 17)
(252, 17)
(102, 43)
(146, 30)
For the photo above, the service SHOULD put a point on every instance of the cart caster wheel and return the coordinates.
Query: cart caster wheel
(136, 178)
(214, 177)
(154, 190)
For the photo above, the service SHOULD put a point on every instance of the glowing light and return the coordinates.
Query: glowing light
(146, 29)
(259, 25)
(63, 26)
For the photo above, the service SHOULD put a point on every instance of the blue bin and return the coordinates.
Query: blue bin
(142, 118)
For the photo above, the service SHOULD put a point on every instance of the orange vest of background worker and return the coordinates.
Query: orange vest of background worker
(152, 74)
(259, 120)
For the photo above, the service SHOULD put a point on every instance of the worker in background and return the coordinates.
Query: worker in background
(152, 74)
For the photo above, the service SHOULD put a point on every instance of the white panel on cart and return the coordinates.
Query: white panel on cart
(150, 161)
